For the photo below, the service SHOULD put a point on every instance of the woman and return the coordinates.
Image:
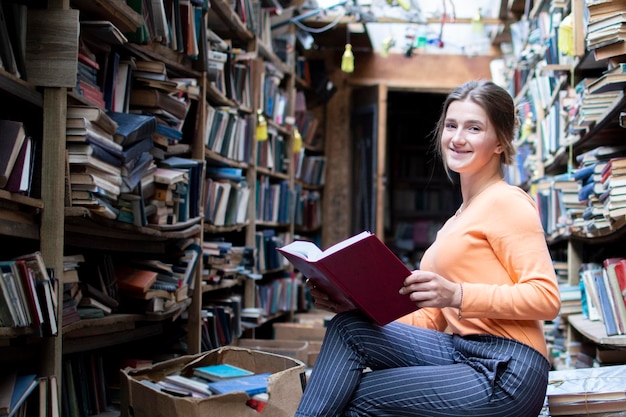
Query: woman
(475, 346)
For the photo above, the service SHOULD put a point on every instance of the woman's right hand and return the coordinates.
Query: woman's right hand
(322, 300)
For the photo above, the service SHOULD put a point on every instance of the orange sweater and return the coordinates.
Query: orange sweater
(496, 247)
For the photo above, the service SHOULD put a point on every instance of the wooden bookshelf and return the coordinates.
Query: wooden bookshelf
(580, 244)
(47, 222)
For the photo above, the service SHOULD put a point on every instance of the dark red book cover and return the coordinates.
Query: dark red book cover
(361, 269)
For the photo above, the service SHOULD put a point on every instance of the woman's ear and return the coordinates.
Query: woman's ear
(499, 149)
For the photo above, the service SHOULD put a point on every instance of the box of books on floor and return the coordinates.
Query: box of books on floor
(225, 382)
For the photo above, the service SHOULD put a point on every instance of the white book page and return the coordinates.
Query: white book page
(308, 250)
(345, 243)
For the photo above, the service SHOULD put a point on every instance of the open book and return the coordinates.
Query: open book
(360, 269)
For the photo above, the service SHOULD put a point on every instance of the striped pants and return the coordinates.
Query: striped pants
(421, 372)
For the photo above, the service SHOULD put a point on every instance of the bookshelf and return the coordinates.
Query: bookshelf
(224, 73)
(562, 128)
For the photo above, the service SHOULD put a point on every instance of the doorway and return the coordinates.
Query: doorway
(419, 196)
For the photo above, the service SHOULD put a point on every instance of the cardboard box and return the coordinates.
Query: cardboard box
(316, 318)
(298, 331)
(286, 385)
(302, 350)
(297, 349)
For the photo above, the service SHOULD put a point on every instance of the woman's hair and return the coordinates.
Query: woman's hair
(500, 109)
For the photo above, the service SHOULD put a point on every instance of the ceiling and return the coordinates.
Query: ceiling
(448, 26)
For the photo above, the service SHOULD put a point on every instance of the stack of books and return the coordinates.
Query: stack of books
(210, 380)
(606, 29)
(613, 181)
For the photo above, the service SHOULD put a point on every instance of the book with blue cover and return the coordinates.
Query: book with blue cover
(221, 372)
(251, 385)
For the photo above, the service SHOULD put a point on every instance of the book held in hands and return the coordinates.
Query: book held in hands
(361, 270)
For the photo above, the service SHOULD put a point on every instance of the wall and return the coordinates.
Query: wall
(428, 73)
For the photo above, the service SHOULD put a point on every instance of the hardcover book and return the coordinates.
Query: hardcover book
(221, 372)
(251, 385)
(12, 136)
(361, 270)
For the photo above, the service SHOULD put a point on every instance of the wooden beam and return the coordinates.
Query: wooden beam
(428, 72)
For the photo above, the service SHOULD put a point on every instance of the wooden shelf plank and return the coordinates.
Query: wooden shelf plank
(595, 331)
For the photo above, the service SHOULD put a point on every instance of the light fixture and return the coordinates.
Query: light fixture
(347, 59)
(477, 22)
(261, 126)
(386, 45)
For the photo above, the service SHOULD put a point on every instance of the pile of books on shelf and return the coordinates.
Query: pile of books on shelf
(606, 29)
(99, 284)
(613, 188)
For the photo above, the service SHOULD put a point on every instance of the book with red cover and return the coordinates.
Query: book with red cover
(360, 269)
(620, 273)
(133, 280)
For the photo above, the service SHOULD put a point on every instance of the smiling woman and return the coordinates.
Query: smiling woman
(460, 353)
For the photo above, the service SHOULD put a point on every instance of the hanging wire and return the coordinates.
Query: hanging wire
(322, 29)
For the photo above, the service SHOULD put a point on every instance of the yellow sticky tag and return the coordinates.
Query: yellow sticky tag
(261, 128)
(297, 141)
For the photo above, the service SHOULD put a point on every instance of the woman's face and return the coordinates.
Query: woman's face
(468, 140)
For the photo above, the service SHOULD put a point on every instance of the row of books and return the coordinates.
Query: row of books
(221, 321)
(274, 200)
(604, 285)
(17, 153)
(308, 208)
(274, 98)
(272, 151)
(266, 243)
(28, 295)
(229, 133)
(25, 394)
(278, 294)
(310, 169)
(84, 390)
(227, 202)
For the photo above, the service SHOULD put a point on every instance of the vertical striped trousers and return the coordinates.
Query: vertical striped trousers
(421, 372)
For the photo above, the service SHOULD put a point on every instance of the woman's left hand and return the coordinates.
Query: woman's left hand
(428, 289)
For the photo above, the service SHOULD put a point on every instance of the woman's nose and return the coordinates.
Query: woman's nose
(458, 137)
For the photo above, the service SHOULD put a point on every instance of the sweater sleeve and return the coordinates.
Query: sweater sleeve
(514, 232)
